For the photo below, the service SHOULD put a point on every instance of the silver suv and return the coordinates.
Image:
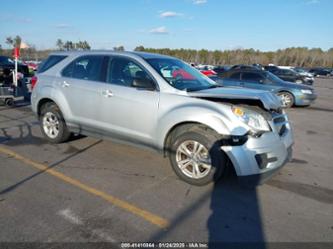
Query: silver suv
(160, 102)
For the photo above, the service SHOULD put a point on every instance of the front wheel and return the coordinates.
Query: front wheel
(196, 156)
(287, 99)
(53, 125)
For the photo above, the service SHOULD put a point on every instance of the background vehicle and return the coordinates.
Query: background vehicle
(292, 76)
(303, 72)
(291, 93)
(7, 66)
(199, 125)
(206, 70)
(320, 72)
(241, 66)
(221, 69)
(8, 63)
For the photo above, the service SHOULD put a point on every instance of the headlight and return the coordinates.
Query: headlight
(256, 122)
(306, 91)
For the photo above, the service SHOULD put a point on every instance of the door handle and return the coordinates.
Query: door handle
(107, 93)
(65, 84)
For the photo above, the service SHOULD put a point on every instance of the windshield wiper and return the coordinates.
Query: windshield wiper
(199, 89)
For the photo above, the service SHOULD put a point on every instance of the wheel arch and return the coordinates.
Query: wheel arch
(41, 103)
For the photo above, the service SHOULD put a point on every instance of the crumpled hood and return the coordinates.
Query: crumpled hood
(269, 100)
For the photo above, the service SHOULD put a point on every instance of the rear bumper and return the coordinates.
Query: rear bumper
(260, 158)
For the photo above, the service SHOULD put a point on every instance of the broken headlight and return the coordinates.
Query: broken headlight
(254, 120)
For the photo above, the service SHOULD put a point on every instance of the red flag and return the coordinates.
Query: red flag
(16, 52)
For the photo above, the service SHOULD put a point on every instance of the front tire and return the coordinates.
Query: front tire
(287, 99)
(195, 155)
(53, 125)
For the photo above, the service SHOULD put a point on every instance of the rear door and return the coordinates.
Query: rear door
(253, 80)
(80, 83)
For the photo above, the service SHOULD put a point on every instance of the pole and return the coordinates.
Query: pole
(15, 73)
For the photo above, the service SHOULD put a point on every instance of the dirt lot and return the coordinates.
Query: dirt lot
(94, 190)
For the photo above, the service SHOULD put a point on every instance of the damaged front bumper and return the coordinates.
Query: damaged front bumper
(259, 158)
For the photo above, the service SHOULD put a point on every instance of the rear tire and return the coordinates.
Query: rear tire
(53, 125)
(9, 102)
(195, 155)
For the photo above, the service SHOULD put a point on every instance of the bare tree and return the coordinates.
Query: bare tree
(60, 44)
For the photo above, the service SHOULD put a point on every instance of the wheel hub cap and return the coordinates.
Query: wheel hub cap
(51, 125)
(193, 159)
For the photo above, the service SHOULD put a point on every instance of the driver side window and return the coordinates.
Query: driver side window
(124, 72)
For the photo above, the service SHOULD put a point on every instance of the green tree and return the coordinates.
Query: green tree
(139, 48)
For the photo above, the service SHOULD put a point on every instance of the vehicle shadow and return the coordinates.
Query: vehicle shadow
(235, 220)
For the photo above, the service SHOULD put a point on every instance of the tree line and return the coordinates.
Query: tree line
(294, 56)
(70, 45)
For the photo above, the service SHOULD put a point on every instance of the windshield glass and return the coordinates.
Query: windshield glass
(181, 75)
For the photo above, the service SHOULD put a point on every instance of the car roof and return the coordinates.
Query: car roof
(143, 55)
(247, 70)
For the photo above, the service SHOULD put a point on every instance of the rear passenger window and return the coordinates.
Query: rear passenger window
(235, 76)
(251, 77)
(50, 62)
(85, 68)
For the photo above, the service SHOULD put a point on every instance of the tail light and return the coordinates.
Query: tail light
(33, 82)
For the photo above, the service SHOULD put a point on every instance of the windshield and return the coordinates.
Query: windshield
(180, 75)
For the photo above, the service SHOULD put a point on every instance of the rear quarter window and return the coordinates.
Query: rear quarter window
(50, 62)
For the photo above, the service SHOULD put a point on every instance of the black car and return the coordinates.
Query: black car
(242, 67)
(320, 71)
(220, 69)
(271, 68)
(7, 64)
(292, 76)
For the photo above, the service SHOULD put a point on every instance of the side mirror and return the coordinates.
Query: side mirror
(144, 84)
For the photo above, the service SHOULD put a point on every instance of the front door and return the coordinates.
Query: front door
(128, 111)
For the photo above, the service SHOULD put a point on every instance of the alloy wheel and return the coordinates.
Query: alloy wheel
(193, 159)
(51, 125)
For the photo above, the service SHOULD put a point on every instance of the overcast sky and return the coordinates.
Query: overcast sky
(209, 24)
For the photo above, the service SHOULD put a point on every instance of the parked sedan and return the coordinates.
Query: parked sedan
(320, 72)
(292, 76)
(291, 93)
